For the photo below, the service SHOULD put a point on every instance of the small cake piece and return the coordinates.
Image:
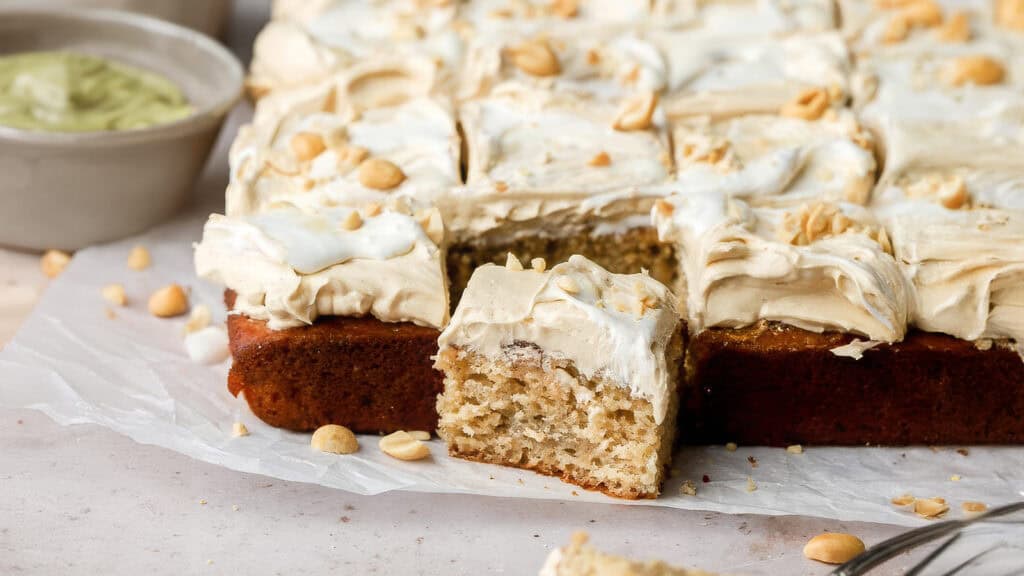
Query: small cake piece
(309, 41)
(579, 559)
(775, 160)
(570, 372)
(720, 75)
(550, 175)
(335, 317)
(373, 134)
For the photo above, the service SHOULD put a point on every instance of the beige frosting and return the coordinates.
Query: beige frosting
(307, 43)
(603, 63)
(289, 266)
(967, 267)
(725, 76)
(613, 326)
(775, 161)
(739, 272)
(417, 135)
(531, 157)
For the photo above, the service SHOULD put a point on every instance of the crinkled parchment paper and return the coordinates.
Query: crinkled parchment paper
(130, 373)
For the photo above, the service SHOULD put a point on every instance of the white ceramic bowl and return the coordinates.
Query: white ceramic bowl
(207, 16)
(63, 190)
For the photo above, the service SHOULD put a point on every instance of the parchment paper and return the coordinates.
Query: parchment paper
(130, 373)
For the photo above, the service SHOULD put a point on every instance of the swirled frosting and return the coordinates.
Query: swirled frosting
(532, 158)
(604, 63)
(738, 271)
(967, 267)
(613, 326)
(418, 136)
(289, 266)
(775, 161)
(308, 43)
(724, 75)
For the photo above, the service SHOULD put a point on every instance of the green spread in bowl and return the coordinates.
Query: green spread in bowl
(66, 92)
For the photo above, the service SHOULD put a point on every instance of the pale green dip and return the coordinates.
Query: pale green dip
(66, 92)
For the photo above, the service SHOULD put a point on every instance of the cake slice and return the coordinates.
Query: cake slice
(376, 133)
(579, 559)
(307, 42)
(335, 314)
(570, 372)
(553, 174)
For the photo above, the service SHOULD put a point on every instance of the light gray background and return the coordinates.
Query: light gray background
(84, 500)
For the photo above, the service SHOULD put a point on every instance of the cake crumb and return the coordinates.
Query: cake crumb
(238, 429)
(795, 449)
(954, 478)
(202, 502)
(235, 507)
(731, 447)
(753, 461)
(688, 488)
(962, 451)
(575, 493)
(750, 484)
(111, 314)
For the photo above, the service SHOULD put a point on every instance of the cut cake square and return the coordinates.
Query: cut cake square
(570, 372)
(335, 314)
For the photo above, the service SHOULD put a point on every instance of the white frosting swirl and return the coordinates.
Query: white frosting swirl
(773, 160)
(724, 75)
(614, 326)
(289, 266)
(737, 273)
(418, 136)
(530, 157)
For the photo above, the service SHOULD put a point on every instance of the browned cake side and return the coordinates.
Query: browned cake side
(368, 375)
(774, 385)
(624, 253)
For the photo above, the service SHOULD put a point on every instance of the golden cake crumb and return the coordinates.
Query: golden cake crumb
(973, 507)
(239, 430)
(750, 484)
(688, 488)
(904, 500)
(731, 447)
(795, 449)
(930, 507)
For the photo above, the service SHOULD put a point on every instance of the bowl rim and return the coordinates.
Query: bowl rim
(198, 120)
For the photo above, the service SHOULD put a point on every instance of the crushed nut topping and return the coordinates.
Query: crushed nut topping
(930, 507)
(54, 262)
(688, 488)
(539, 264)
(600, 159)
(115, 294)
(403, 446)
(139, 258)
(812, 222)
(380, 174)
(169, 301)
(637, 112)
(334, 439)
(567, 284)
(239, 430)
(809, 104)
(904, 500)
(978, 70)
(535, 58)
(351, 222)
(1010, 14)
(513, 263)
(307, 145)
(565, 8)
(956, 29)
